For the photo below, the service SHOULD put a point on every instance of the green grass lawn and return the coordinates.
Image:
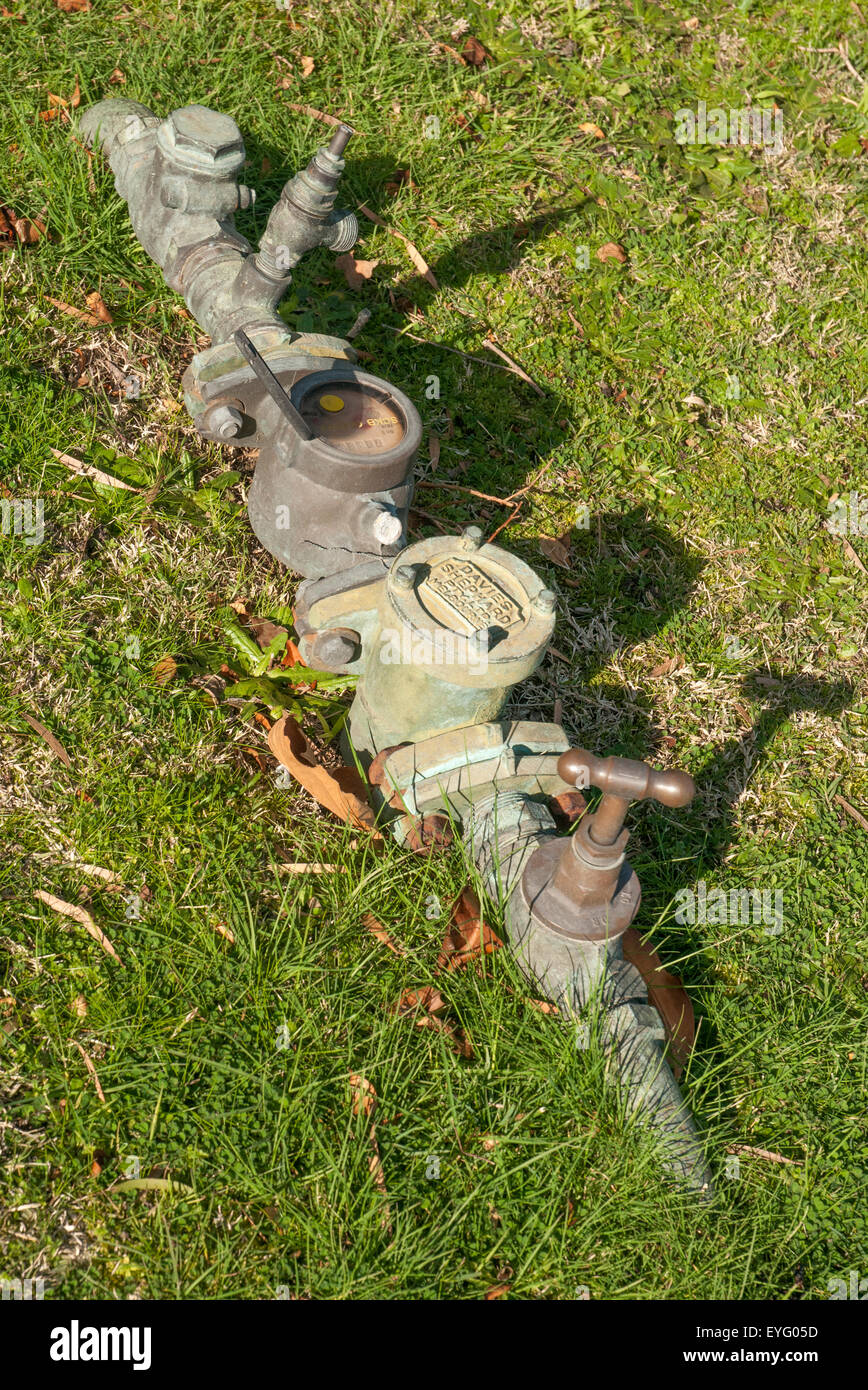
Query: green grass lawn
(702, 397)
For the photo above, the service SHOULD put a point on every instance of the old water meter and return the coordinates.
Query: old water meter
(333, 485)
(439, 640)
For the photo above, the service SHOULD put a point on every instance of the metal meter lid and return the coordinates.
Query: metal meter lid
(475, 592)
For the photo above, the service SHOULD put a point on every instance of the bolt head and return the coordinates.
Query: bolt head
(204, 129)
(404, 577)
(388, 527)
(202, 140)
(471, 538)
(545, 601)
(224, 421)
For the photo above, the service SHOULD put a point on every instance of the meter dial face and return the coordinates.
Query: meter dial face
(357, 419)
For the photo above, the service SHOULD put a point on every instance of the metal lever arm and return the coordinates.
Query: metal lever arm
(622, 781)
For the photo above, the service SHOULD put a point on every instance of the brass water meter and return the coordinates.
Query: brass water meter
(439, 640)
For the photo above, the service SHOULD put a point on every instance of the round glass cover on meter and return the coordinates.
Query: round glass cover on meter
(356, 418)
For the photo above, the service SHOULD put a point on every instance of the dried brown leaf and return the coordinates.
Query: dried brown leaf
(355, 272)
(54, 744)
(317, 115)
(78, 914)
(424, 1007)
(341, 791)
(307, 66)
(412, 251)
(70, 309)
(92, 1069)
(97, 306)
(851, 811)
(473, 52)
(377, 929)
(611, 251)
(468, 936)
(87, 470)
(556, 550)
(165, 670)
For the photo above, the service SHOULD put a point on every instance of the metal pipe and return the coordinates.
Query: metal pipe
(502, 833)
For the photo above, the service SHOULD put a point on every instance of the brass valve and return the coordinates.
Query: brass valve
(622, 780)
(583, 886)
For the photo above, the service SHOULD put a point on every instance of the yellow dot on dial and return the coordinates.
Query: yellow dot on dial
(333, 403)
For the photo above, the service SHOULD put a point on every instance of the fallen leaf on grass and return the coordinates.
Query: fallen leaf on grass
(667, 994)
(92, 1069)
(79, 1006)
(117, 75)
(557, 549)
(109, 877)
(222, 930)
(589, 128)
(424, 1006)
(365, 1103)
(307, 66)
(851, 553)
(292, 656)
(87, 470)
(27, 230)
(446, 48)
(341, 791)
(318, 115)
(379, 931)
(400, 179)
(151, 1185)
(851, 811)
(544, 1006)
(265, 631)
(313, 868)
(78, 914)
(73, 6)
(468, 937)
(97, 306)
(473, 52)
(672, 663)
(611, 251)
(165, 670)
(496, 1291)
(412, 251)
(70, 309)
(54, 744)
(761, 1153)
(355, 272)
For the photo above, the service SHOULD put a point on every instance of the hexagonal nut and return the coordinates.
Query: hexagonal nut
(221, 421)
(200, 136)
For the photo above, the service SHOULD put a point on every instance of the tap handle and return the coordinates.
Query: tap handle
(626, 778)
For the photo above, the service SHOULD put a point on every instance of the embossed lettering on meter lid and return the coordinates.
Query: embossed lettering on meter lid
(469, 596)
